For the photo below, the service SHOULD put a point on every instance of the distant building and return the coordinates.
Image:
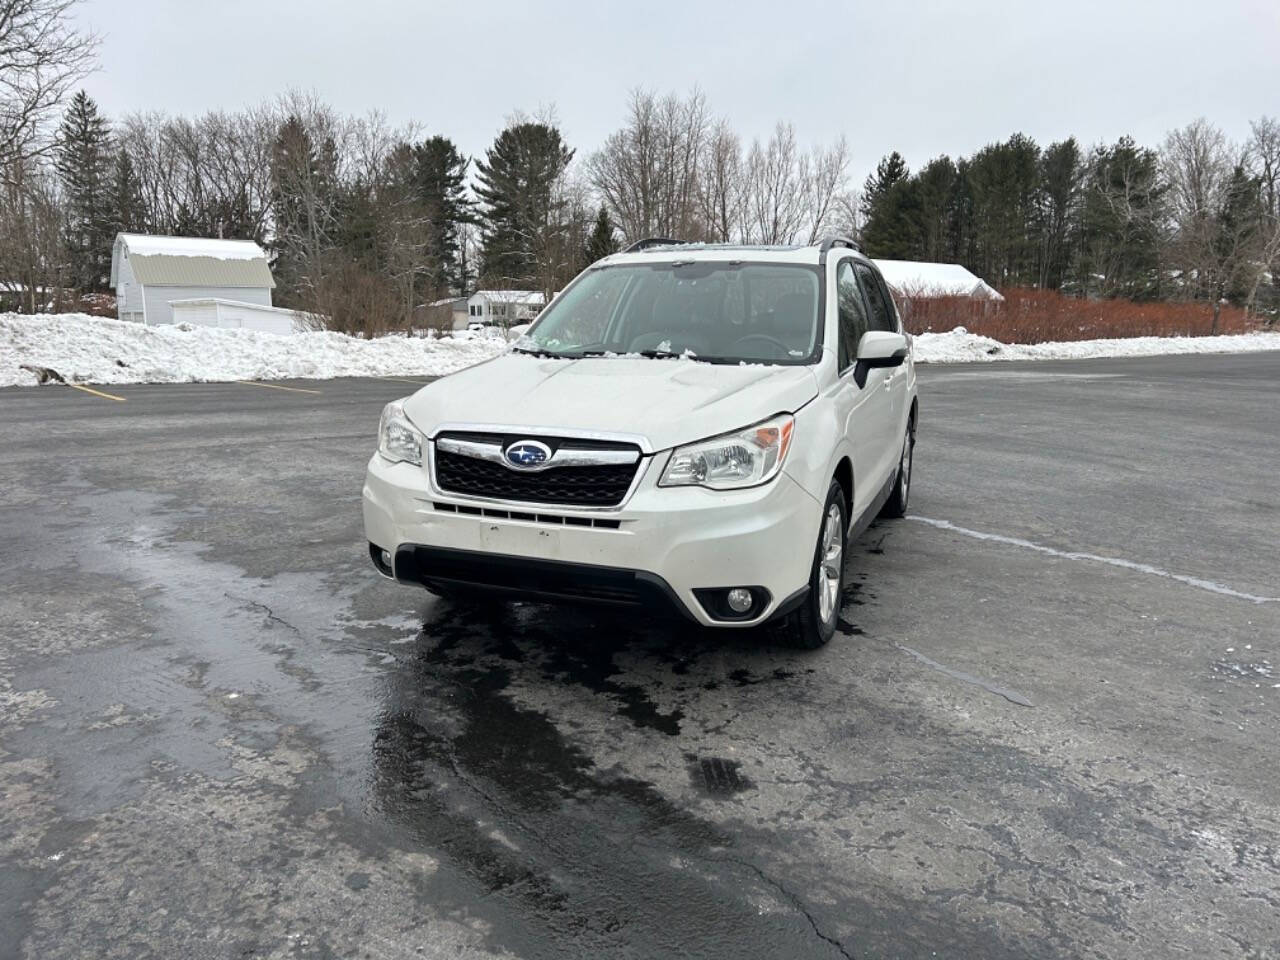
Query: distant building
(504, 308)
(447, 314)
(910, 278)
(150, 274)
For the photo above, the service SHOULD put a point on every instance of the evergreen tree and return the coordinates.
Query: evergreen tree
(1003, 178)
(1057, 211)
(307, 205)
(893, 228)
(602, 241)
(522, 224)
(83, 161)
(889, 171)
(441, 174)
(128, 209)
(1123, 209)
(937, 197)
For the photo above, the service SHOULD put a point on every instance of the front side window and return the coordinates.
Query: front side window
(882, 317)
(720, 312)
(852, 312)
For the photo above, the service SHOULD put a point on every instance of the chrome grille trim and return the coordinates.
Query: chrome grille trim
(563, 457)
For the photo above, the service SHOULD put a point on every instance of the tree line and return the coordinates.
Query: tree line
(1196, 219)
(367, 224)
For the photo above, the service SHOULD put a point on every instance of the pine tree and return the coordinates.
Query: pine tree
(83, 161)
(1057, 211)
(522, 224)
(602, 241)
(441, 175)
(1123, 209)
(128, 209)
(889, 171)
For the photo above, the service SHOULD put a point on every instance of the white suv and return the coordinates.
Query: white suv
(700, 427)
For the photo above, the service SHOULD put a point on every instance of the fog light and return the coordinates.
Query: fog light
(386, 559)
(739, 600)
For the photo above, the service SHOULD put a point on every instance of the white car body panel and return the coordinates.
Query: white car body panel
(665, 402)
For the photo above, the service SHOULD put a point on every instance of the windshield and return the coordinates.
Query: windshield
(720, 312)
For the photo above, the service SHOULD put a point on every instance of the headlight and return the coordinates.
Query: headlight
(745, 458)
(397, 438)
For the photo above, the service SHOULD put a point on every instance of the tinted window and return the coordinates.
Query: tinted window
(724, 311)
(881, 313)
(852, 313)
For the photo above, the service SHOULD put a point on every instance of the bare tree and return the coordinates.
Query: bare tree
(42, 57)
(647, 172)
(777, 175)
(33, 260)
(826, 184)
(1264, 161)
(720, 184)
(1213, 235)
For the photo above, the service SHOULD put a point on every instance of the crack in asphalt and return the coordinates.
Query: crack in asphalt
(1011, 695)
(795, 901)
(271, 614)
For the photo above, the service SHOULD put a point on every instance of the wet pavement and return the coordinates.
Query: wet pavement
(1048, 727)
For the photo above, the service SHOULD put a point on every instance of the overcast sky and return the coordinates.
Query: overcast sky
(923, 78)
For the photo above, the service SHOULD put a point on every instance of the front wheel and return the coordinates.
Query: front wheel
(814, 623)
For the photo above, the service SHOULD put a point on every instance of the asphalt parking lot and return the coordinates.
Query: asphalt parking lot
(1050, 726)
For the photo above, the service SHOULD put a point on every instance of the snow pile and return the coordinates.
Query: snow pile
(85, 349)
(960, 346)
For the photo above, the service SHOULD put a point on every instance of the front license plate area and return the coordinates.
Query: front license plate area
(519, 540)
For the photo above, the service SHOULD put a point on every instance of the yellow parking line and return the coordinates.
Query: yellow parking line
(276, 386)
(97, 393)
(421, 383)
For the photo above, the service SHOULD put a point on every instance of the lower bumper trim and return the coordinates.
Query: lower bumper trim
(537, 579)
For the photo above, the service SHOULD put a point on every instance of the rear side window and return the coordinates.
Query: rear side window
(852, 313)
(881, 313)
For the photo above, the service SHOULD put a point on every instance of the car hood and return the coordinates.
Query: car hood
(663, 403)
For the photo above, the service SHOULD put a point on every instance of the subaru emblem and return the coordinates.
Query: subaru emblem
(527, 455)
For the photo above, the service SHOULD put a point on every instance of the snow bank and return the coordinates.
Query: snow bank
(87, 349)
(960, 346)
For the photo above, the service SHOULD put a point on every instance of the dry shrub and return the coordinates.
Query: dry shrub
(1038, 316)
(354, 300)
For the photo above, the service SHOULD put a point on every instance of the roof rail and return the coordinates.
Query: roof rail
(648, 242)
(836, 241)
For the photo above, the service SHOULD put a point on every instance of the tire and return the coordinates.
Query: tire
(896, 505)
(813, 624)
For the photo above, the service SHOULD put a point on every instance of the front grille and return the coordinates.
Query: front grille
(586, 486)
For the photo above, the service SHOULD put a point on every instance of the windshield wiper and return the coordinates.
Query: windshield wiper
(539, 352)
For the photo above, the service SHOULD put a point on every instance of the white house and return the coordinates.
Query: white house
(150, 273)
(503, 308)
(917, 279)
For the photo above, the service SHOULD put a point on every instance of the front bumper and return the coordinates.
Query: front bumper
(661, 544)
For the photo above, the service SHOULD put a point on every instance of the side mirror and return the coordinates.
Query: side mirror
(879, 348)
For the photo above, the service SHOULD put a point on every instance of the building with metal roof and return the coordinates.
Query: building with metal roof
(150, 273)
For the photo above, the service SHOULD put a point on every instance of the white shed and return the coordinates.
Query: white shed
(235, 315)
(911, 278)
(150, 273)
